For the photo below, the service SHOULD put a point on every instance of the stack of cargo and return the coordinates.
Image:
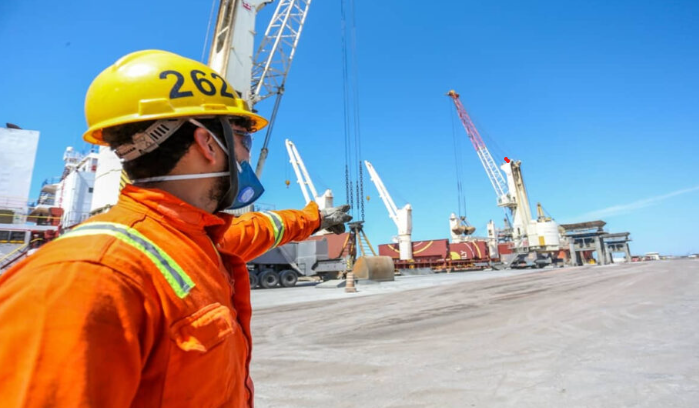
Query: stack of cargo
(505, 248)
(441, 255)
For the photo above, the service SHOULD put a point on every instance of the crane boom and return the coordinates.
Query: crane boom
(403, 218)
(273, 61)
(304, 179)
(277, 48)
(302, 176)
(494, 175)
(233, 43)
(383, 193)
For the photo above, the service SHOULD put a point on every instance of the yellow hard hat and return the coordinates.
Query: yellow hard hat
(152, 85)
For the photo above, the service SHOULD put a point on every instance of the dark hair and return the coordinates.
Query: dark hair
(162, 160)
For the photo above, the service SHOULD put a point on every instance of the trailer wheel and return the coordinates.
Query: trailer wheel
(288, 278)
(268, 279)
(254, 280)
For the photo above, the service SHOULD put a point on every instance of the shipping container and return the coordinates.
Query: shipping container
(435, 249)
(505, 248)
(440, 255)
(472, 250)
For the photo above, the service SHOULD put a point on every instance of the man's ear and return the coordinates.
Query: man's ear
(205, 144)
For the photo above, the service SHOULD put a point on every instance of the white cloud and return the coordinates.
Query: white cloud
(626, 208)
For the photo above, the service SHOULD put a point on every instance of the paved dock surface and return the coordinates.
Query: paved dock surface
(599, 336)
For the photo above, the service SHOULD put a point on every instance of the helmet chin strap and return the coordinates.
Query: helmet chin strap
(229, 197)
(181, 177)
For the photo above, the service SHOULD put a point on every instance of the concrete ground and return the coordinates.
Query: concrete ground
(599, 336)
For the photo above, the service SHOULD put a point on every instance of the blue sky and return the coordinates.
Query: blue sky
(599, 100)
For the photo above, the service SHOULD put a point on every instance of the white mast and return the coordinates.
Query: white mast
(304, 179)
(233, 43)
(401, 217)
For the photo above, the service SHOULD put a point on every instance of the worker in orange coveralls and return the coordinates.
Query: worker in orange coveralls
(148, 305)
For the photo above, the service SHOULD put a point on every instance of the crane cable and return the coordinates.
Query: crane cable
(354, 175)
(349, 197)
(357, 127)
(458, 161)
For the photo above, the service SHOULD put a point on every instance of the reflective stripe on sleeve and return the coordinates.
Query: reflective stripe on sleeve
(277, 224)
(178, 279)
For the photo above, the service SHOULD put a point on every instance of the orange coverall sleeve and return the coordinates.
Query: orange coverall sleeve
(255, 233)
(71, 337)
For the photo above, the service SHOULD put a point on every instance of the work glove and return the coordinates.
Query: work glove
(334, 218)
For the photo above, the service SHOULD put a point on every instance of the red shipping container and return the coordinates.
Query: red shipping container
(483, 247)
(435, 249)
(505, 248)
(472, 250)
(438, 248)
(389, 250)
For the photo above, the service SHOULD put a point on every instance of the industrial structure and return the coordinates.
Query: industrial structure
(402, 217)
(75, 190)
(588, 238)
(22, 228)
(17, 157)
(440, 255)
(308, 189)
(540, 236)
(325, 256)
(263, 76)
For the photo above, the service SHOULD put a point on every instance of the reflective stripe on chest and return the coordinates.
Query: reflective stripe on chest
(179, 281)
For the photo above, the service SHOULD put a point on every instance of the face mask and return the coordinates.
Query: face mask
(249, 186)
(244, 187)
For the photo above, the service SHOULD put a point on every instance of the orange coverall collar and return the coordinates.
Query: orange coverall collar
(172, 209)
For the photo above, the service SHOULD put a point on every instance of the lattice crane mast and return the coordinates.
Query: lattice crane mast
(494, 175)
(264, 75)
(401, 217)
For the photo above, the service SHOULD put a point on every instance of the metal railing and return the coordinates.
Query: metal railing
(7, 260)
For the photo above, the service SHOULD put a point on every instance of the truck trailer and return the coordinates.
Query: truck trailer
(324, 256)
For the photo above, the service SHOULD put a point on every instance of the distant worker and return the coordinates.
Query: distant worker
(148, 305)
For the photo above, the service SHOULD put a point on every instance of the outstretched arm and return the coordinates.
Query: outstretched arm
(255, 233)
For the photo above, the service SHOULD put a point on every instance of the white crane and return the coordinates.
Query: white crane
(304, 179)
(233, 43)
(538, 235)
(264, 75)
(403, 217)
